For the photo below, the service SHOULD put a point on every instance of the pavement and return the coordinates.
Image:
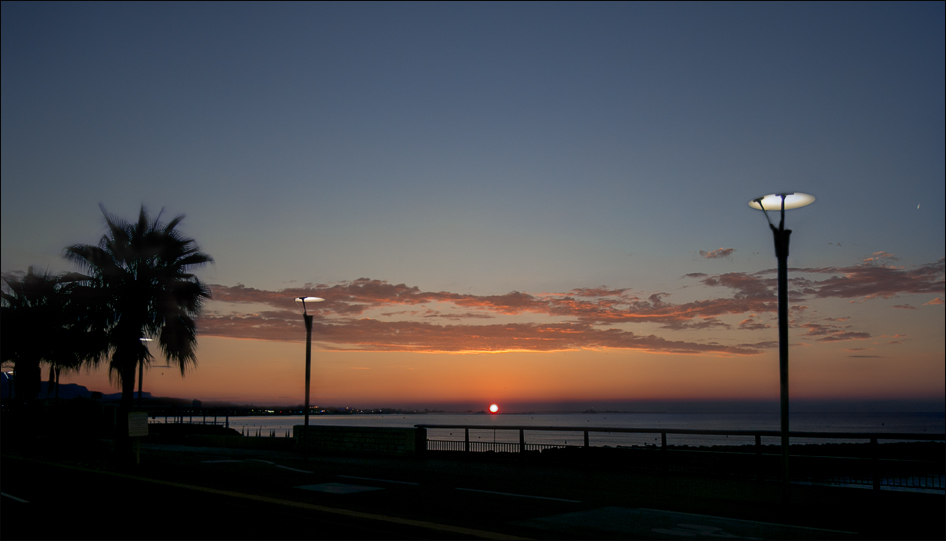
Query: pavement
(185, 492)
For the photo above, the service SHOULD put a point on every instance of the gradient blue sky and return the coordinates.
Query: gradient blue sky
(590, 158)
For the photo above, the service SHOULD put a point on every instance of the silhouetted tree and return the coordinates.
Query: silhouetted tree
(139, 273)
(46, 320)
(81, 337)
(25, 316)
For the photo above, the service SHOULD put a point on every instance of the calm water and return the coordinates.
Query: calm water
(933, 423)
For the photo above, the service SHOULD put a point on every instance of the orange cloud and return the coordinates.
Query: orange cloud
(587, 307)
(881, 256)
(719, 253)
(374, 335)
(752, 325)
(589, 314)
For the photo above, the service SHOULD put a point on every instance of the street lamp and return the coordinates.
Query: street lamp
(782, 201)
(308, 350)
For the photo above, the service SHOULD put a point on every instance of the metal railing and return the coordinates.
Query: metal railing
(217, 418)
(258, 431)
(809, 463)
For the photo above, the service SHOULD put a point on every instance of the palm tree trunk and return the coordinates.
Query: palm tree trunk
(128, 386)
(29, 378)
(124, 446)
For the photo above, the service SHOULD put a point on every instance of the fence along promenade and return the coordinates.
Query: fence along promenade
(873, 470)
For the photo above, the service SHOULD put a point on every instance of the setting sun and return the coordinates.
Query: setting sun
(493, 408)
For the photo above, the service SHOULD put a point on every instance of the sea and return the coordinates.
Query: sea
(497, 428)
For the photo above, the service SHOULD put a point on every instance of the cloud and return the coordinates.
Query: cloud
(934, 302)
(868, 280)
(831, 333)
(587, 309)
(705, 323)
(718, 253)
(873, 279)
(904, 306)
(881, 256)
(752, 325)
(338, 324)
(368, 334)
(844, 336)
(746, 286)
(602, 291)
(457, 316)
(585, 317)
(768, 344)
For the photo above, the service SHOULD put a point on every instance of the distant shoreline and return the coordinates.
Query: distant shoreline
(68, 391)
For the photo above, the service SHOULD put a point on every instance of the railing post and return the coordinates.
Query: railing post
(586, 439)
(663, 452)
(466, 439)
(875, 463)
(421, 445)
(758, 456)
(522, 440)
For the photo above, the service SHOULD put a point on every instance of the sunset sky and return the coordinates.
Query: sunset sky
(529, 204)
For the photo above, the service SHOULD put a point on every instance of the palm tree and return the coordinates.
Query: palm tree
(139, 272)
(46, 321)
(26, 322)
(80, 337)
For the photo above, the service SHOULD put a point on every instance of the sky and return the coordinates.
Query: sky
(541, 205)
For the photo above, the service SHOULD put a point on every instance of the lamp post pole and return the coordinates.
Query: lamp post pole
(781, 237)
(308, 363)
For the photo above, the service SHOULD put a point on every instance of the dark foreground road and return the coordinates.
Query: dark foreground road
(201, 493)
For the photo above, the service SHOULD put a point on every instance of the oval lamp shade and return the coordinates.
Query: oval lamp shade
(309, 299)
(774, 201)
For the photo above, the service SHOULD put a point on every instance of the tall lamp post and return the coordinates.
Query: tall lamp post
(308, 350)
(783, 201)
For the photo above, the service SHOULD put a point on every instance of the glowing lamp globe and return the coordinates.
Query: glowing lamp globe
(774, 201)
(303, 300)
